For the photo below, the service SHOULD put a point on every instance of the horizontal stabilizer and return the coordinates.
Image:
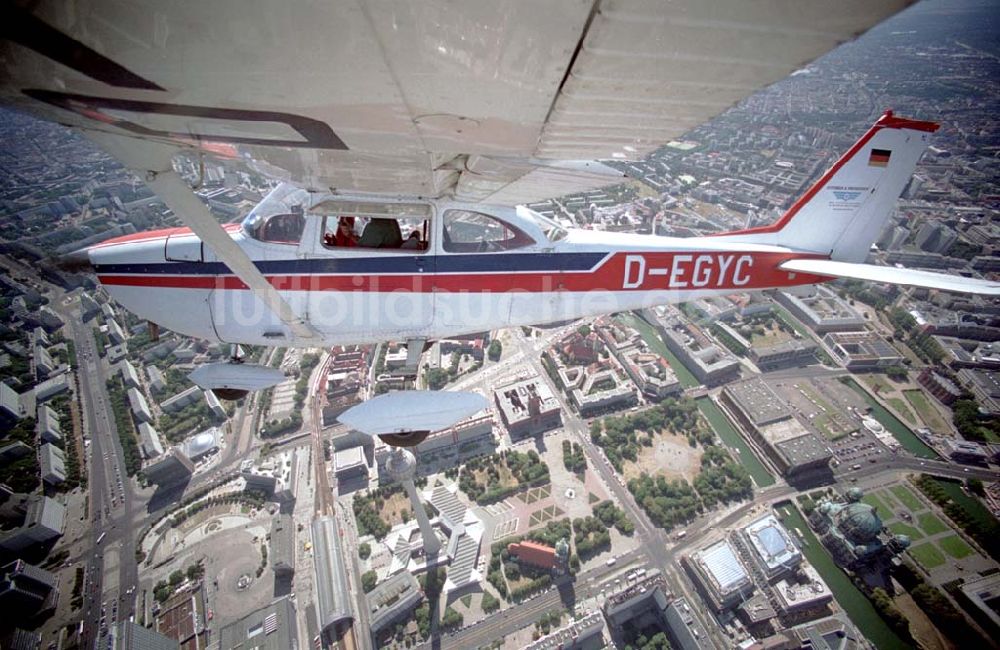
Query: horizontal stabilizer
(894, 275)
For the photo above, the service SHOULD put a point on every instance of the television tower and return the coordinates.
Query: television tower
(401, 466)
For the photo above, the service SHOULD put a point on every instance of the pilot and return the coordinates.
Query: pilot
(344, 237)
(381, 233)
(413, 241)
(285, 228)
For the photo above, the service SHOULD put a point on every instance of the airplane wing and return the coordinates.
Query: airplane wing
(894, 275)
(485, 100)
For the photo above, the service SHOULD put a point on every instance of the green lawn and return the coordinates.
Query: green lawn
(872, 499)
(955, 546)
(907, 498)
(927, 554)
(878, 383)
(930, 523)
(792, 322)
(901, 528)
(926, 410)
(900, 407)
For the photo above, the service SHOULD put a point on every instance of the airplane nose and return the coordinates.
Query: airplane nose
(76, 262)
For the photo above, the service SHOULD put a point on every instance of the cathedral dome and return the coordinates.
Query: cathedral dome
(859, 523)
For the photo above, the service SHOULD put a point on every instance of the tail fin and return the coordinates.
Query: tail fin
(844, 212)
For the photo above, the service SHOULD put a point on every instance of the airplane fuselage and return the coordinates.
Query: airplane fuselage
(362, 295)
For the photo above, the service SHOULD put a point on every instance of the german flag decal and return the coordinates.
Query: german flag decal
(879, 158)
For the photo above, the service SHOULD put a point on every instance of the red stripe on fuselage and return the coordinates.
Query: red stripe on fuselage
(641, 271)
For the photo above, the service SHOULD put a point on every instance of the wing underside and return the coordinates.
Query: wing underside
(485, 100)
(894, 275)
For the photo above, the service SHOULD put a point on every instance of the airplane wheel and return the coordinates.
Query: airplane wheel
(230, 394)
(406, 439)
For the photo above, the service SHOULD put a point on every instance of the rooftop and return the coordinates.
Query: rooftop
(272, 627)
(393, 598)
(200, 444)
(349, 458)
(772, 542)
(515, 400)
(333, 595)
(758, 401)
(803, 450)
(534, 553)
(721, 565)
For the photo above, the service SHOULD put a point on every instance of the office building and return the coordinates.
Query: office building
(862, 351)
(392, 601)
(52, 461)
(720, 574)
(26, 590)
(528, 408)
(169, 468)
(768, 422)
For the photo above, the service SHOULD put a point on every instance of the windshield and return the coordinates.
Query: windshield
(552, 230)
(279, 217)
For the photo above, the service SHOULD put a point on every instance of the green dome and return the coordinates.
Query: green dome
(854, 495)
(903, 541)
(859, 523)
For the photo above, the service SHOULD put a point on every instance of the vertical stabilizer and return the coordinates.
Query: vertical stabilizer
(844, 212)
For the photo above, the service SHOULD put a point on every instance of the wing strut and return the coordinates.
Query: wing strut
(188, 207)
(153, 162)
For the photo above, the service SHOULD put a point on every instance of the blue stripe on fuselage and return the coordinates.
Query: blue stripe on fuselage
(388, 263)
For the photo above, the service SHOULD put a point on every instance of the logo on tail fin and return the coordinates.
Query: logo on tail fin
(846, 196)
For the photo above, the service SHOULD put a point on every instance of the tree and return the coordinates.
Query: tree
(364, 550)
(888, 611)
(495, 350)
(436, 378)
(176, 578)
(162, 592)
(195, 571)
(369, 580)
(896, 373)
(490, 603)
(451, 619)
(422, 615)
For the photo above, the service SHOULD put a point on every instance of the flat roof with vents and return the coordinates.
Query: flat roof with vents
(269, 628)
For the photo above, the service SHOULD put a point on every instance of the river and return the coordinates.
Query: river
(902, 433)
(744, 455)
(653, 340)
(850, 598)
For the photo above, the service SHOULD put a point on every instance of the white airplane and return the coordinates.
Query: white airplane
(411, 130)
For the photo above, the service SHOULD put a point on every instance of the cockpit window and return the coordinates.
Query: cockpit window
(276, 228)
(466, 232)
(552, 230)
(377, 229)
